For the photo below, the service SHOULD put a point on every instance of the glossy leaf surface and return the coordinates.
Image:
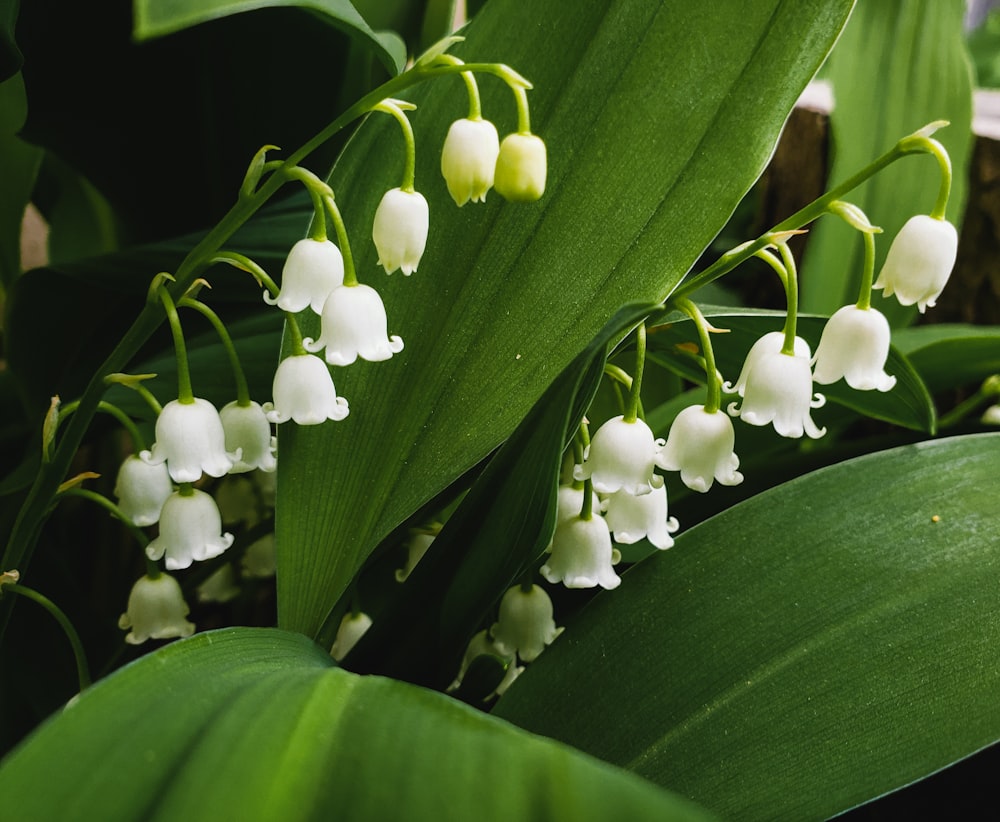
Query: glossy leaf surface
(823, 643)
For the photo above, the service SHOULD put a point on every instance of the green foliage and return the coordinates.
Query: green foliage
(821, 644)
(258, 725)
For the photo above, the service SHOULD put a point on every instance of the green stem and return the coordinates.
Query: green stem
(712, 380)
(147, 397)
(944, 190)
(632, 406)
(731, 259)
(523, 114)
(295, 335)
(114, 510)
(587, 510)
(471, 86)
(184, 392)
(792, 296)
(350, 275)
(138, 441)
(867, 273)
(620, 377)
(242, 389)
(82, 670)
(26, 528)
(410, 164)
(244, 263)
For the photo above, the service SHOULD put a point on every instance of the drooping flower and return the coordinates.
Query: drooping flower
(156, 610)
(700, 446)
(521, 168)
(582, 555)
(525, 625)
(469, 159)
(142, 489)
(354, 325)
(631, 518)
(303, 391)
(237, 501)
(400, 230)
(352, 628)
(312, 270)
(221, 586)
(482, 645)
(991, 416)
(191, 440)
(779, 390)
(855, 346)
(919, 261)
(416, 547)
(190, 530)
(248, 431)
(770, 343)
(621, 455)
(569, 502)
(260, 558)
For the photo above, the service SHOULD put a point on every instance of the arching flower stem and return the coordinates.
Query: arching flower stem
(475, 105)
(350, 275)
(242, 390)
(632, 406)
(396, 109)
(138, 440)
(789, 280)
(110, 507)
(185, 394)
(712, 379)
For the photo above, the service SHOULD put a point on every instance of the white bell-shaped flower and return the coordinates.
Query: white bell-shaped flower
(469, 159)
(855, 346)
(303, 391)
(416, 547)
(352, 628)
(221, 586)
(779, 391)
(312, 270)
(249, 432)
(582, 555)
(156, 610)
(260, 560)
(400, 230)
(700, 446)
(569, 502)
(631, 518)
(521, 168)
(770, 343)
(190, 530)
(237, 500)
(525, 624)
(191, 440)
(621, 456)
(354, 325)
(142, 489)
(919, 261)
(482, 645)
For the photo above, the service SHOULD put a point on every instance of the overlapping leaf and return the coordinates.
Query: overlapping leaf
(816, 646)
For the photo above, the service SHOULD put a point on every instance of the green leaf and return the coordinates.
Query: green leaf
(155, 18)
(255, 724)
(812, 648)
(642, 174)
(950, 356)
(898, 66)
(908, 403)
(11, 58)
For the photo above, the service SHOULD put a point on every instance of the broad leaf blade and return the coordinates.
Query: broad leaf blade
(255, 724)
(651, 146)
(816, 646)
(155, 18)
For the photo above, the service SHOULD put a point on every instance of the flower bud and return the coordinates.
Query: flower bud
(400, 230)
(352, 628)
(156, 610)
(521, 168)
(469, 158)
(919, 261)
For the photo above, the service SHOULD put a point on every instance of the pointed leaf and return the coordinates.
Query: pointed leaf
(823, 643)
(255, 724)
(653, 136)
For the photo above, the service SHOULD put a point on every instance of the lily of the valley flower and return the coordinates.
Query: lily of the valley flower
(156, 610)
(260, 559)
(416, 547)
(700, 446)
(191, 440)
(779, 391)
(770, 343)
(354, 325)
(400, 230)
(482, 645)
(631, 518)
(525, 625)
(312, 270)
(142, 489)
(469, 158)
(303, 391)
(352, 628)
(222, 586)
(190, 530)
(919, 261)
(855, 346)
(521, 168)
(248, 432)
(582, 555)
(621, 456)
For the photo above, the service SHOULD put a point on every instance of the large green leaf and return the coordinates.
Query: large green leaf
(256, 724)
(814, 647)
(155, 18)
(653, 136)
(899, 65)
(950, 356)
